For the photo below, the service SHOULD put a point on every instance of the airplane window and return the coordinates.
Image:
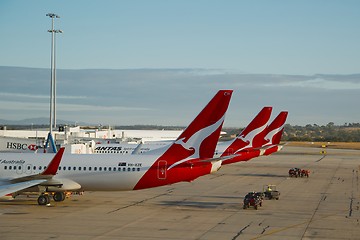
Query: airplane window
(5, 167)
(45, 167)
(100, 168)
(95, 168)
(64, 168)
(34, 168)
(129, 169)
(74, 168)
(133, 169)
(9, 167)
(104, 168)
(89, 168)
(28, 167)
(14, 167)
(114, 169)
(19, 167)
(124, 169)
(69, 168)
(84, 168)
(138, 169)
(59, 168)
(39, 167)
(119, 169)
(79, 168)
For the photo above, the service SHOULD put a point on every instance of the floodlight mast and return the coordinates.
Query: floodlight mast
(55, 31)
(53, 73)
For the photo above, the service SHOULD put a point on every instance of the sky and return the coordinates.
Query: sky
(300, 56)
(263, 36)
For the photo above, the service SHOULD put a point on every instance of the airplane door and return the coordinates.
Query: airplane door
(162, 169)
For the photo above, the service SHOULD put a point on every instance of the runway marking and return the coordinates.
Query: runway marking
(264, 229)
(240, 232)
(142, 201)
(321, 158)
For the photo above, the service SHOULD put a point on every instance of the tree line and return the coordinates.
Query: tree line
(349, 132)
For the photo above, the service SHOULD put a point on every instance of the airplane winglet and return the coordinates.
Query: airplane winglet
(53, 166)
(137, 149)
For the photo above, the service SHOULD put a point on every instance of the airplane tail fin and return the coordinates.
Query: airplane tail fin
(275, 129)
(53, 166)
(195, 143)
(199, 139)
(252, 136)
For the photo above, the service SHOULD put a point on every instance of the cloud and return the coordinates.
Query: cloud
(175, 96)
(319, 83)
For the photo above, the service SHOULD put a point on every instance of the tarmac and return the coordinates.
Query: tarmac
(323, 206)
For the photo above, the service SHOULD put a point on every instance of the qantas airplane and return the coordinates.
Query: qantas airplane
(257, 139)
(188, 158)
(274, 133)
(261, 142)
(252, 137)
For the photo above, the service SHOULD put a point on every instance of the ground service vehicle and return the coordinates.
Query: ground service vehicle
(252, 199)
(270, 192)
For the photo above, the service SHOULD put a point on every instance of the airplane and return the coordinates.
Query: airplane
(188, 158)
(248, 144)
(265, 142)
(253, 134)
(274, 133)
(250, 137)
(9, 185)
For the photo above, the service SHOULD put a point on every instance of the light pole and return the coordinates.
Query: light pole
(53, 72)
(54, 76)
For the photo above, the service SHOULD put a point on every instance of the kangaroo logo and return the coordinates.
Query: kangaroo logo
(269, 137)
(195, 141)
(249, 138)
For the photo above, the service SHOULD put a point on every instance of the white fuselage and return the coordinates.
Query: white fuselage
(92, 171)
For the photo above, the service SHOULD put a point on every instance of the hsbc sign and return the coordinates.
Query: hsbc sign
(21, 146)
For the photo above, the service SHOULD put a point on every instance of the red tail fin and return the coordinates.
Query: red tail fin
(54, 164)
(199, 139)
(275, 130)
(253, 135)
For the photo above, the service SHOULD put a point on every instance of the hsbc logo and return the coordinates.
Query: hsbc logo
(32, 147)
(21, 146)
